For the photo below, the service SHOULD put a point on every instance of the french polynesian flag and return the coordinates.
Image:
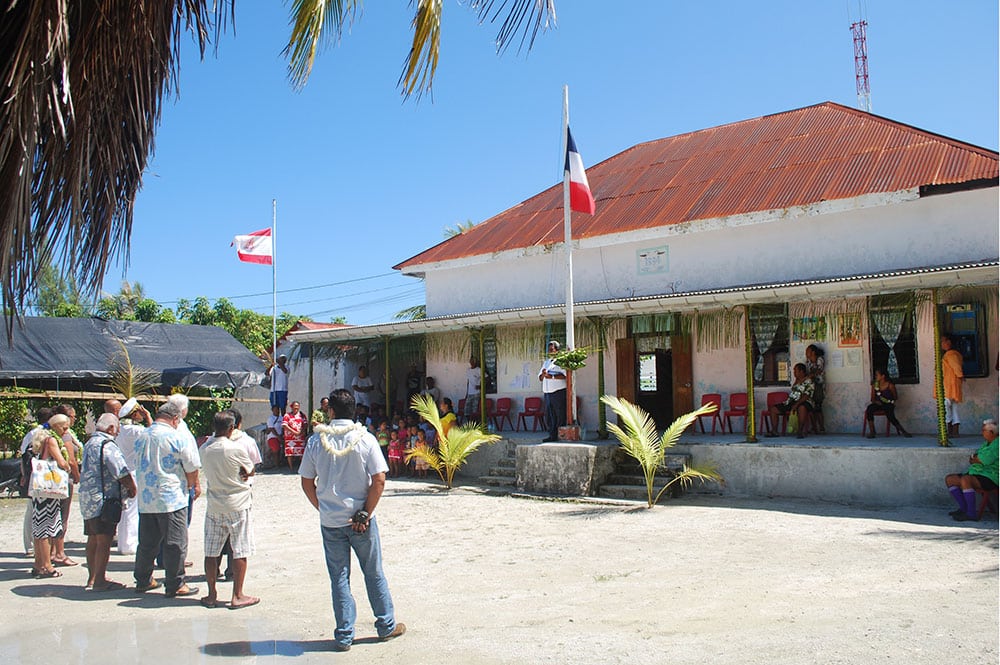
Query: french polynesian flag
(580, 198)
(254, 247)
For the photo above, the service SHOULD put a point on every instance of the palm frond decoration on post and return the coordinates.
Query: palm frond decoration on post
(127, 379)
(640, 440)
(453, 448)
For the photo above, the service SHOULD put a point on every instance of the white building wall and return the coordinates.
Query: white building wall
(800, 244)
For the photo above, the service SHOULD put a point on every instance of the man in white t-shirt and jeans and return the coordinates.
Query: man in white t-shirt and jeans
(343, 476)
(227, 469)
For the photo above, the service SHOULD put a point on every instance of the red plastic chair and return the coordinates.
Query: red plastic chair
(772, 399)
(716, 399)
(737, 409)
(501, 413)
(532, 409)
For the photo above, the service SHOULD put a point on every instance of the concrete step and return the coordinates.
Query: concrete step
(507, 462)
(499, 481)
(503, 472)
(637, 492)
(630, 479)
(671, 464)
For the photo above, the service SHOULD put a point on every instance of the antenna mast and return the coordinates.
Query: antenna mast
(859, 30)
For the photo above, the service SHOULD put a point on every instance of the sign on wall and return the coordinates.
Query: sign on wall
(652, 260)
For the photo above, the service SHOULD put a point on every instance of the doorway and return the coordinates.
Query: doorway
(655, 374)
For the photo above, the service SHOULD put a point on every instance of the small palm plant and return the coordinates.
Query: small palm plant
(128, 380)
(640, 440)
(453, 448)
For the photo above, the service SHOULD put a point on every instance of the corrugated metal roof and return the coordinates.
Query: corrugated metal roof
(818, 153)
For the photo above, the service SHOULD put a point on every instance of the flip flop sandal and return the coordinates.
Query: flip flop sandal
(247, 604)
(46, 574)
(153, 584)
(64, 562)
(182, 592)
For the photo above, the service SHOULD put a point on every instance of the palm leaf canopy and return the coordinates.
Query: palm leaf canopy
(82, 83)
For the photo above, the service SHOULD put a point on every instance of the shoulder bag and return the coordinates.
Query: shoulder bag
(47, 481)
(111, 507)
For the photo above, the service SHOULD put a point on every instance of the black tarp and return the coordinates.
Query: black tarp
(76, 354)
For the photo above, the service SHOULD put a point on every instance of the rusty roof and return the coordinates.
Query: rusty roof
(817, 153)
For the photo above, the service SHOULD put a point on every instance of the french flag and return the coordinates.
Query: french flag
(580, 198)
(254, 247)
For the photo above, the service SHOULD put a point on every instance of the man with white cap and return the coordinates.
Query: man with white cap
(131, 415)
(553, 378)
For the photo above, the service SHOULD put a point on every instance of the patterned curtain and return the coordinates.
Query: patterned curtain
(764, 330)
(889, 324)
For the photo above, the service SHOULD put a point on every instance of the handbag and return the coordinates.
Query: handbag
(793, 423)
(111, 507)
(48, 481)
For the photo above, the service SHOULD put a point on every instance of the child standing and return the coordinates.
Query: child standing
(396, 447)
(421, 465)
(383, 435)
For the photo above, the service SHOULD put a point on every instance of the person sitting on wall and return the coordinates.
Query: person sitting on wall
(981, 474)
(883, 401)
(799, 402)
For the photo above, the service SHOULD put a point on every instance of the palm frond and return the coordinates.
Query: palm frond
(314, 22)
(452, 448)
(82, 84)
(689, 475)
(128, 380)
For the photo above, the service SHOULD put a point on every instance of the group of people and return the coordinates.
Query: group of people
(160, 470)
(806, 395)
(286, 429)
(137, 477)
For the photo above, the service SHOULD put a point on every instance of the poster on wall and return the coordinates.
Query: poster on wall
(848, 330)
(809, 328)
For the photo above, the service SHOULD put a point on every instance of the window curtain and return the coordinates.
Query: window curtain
(889, 324)
(765, 329)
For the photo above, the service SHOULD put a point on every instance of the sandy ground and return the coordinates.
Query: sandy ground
(487, 579)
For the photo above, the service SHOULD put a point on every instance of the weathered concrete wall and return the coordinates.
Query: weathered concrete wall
(480, 462)
(573, 469)
(858, 475)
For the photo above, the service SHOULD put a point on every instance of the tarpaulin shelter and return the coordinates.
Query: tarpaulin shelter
(76, 354)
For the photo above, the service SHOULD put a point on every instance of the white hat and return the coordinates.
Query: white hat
(128, 407)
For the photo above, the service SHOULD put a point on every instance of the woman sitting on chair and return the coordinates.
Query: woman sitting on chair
(799, 402)
(883, 401)
(981, 474)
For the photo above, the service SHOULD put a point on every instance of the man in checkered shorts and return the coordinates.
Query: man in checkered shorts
(227, 469)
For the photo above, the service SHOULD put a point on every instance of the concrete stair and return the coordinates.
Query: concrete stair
(503, 474)
(628, 481)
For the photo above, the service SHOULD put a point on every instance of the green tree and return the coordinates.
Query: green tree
(639, 439)
(83, 83)
(59, 295)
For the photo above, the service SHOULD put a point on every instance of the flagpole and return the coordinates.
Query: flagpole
(567, 229)
(568, 242)
(274, 280)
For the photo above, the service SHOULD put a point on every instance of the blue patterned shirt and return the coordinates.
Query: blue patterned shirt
(91, 496)
(163, 458)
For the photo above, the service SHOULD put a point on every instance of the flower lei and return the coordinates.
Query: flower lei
(331, 436)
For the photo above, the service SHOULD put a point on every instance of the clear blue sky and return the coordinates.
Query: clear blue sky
(365, 180)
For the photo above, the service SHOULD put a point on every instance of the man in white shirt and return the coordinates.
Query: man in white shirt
(279, 383)
(343, 476)
(553, 378)
(362, 387)
(130, 415)
(227, 469)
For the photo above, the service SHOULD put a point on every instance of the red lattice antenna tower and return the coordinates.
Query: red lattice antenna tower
(859, 30)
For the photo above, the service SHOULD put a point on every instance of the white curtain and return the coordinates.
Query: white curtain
(764, 330)
(889, 323)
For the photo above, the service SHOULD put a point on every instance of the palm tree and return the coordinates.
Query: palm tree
(639, 439)
(82, 84)
(454, 447)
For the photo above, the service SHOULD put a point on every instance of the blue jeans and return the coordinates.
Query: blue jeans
(338, 543)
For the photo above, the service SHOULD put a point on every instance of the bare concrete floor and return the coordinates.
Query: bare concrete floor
(484, 579)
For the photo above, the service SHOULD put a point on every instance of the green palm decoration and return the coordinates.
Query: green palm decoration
(453, 448)
(128, 380)
(640, 440)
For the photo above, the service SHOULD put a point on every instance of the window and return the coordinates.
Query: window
(769, 343)
(893, 340)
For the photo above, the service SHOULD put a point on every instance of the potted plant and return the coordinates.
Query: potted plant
(571, 360)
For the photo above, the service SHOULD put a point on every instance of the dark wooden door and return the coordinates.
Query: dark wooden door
(683, 376)
(625, 368)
